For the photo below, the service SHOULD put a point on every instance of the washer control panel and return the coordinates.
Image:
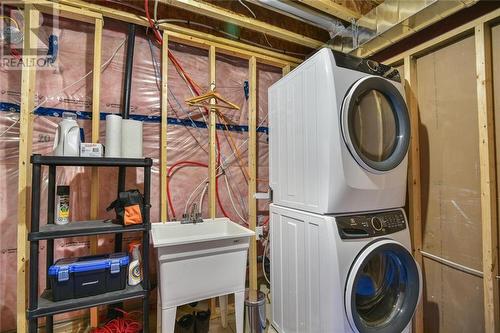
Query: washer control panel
(370, 225)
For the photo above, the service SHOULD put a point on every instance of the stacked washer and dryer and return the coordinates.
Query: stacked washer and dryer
(340, 244)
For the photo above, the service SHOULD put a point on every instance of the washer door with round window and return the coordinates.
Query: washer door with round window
(383, 288)
(375, 124)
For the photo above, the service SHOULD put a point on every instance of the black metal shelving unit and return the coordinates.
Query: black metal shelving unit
(43, 306)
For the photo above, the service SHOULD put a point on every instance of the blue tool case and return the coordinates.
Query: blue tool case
(88, 276)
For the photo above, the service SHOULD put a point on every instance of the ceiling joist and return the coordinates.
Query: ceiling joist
(243, 21)
(191, 36)
(332, 8)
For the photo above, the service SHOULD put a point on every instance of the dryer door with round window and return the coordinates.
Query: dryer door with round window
(383, 288)
(375, 124)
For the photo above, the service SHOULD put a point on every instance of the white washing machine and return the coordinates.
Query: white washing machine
(342, 273)
(340, 132)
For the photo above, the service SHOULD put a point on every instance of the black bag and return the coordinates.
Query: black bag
(129, 207)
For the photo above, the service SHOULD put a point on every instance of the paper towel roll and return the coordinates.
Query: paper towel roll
(132, 138)
(113, 136)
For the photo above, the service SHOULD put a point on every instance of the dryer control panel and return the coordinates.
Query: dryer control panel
(370, 225)
(366, 66)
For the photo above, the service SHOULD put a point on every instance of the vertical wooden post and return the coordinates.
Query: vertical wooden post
(285, 70)
(488, 175)
(28, 79)
(212, 159)
(414, 184)
(163, 129)
(94, 185)
(252, 170)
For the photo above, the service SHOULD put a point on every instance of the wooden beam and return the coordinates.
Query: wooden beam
(94, 184)
(66, 11)
(212, 159)
(425, 18)
(414, 181)
(163, 129)
(484, 72)
(224, 49)
(252, 170)
(446, 38)
(224, 15)
(28, 80)
(285, 70)
(334, 9)
(222, 44)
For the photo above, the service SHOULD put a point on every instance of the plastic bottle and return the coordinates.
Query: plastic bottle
(135, 267)
(62, 205)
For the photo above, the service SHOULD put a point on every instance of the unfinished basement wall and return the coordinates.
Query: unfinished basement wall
(450, 180)
(185, 141)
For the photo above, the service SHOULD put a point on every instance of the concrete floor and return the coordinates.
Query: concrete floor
(216, 324)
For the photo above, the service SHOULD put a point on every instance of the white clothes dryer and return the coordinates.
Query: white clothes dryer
(339, 136)
(342, 274)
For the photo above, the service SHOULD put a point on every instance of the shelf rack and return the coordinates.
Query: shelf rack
(43, 306)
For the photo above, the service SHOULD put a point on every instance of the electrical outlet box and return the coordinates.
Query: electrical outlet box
(259, 232)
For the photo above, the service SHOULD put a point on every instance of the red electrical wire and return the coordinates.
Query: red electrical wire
(120, 325)
(266, 221)
(197, 91)
(191, 163)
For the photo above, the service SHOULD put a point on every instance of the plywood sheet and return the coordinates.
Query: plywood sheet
(453, 301)
(449, 154)
(451, 211)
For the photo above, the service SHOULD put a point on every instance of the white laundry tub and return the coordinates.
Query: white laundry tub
(200, 261)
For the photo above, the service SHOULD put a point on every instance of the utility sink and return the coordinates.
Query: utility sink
(200, 261)
(176, 233)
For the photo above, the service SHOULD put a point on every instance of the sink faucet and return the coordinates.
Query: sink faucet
(193, 217)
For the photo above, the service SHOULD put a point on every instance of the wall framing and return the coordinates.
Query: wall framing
(94, 14)
(480, 28)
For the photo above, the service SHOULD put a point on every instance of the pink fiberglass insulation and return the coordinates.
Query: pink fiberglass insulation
(74, 61)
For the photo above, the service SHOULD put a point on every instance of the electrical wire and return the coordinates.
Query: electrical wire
(127, 324)
(158, 85)
(244, 5)
(200, 204)
(270, 47)
(195, 90)
(193, 193)
(255, 16)
(264, 260)
(155, 13)
(232, 201)
(10, 127)
(103, 66)
(11, 19)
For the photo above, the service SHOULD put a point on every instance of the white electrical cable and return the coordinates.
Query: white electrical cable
(193, 193)
(244, 5)
(10, 127)
(200, 204)
(255, 16)
(264, 261)
(232, 201)
(192, 196)
(103, 66)
(155, 14)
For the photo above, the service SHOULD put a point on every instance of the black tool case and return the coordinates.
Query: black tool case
(88, 276)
